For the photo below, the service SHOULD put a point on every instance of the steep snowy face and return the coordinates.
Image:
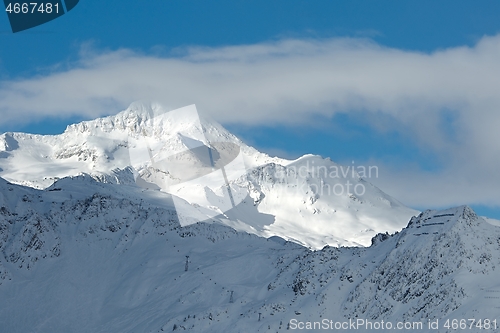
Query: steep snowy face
(443, 265)
(114, 142)
(104, 257)
(443, 262)
(321, 202)
(312, 200)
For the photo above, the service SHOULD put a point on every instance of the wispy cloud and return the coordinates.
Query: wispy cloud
(292, 81)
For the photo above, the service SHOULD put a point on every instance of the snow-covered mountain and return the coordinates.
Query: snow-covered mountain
(151, 221)
(211, 174)
(89, 256)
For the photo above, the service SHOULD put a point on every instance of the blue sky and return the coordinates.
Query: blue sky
(401, 84)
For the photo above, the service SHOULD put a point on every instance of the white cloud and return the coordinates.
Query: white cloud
(293, 81)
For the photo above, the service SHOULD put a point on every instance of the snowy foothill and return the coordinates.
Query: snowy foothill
(88, 256)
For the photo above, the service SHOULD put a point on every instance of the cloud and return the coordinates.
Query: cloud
(293, 81)
(260, 83)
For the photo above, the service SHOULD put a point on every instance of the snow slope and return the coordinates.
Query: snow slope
(88, 256)
(312, 201)
(491, 221)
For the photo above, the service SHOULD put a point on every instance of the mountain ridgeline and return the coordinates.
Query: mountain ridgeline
(105, 257)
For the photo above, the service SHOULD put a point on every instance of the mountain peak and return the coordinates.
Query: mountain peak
(442, 217)
(140, 118)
